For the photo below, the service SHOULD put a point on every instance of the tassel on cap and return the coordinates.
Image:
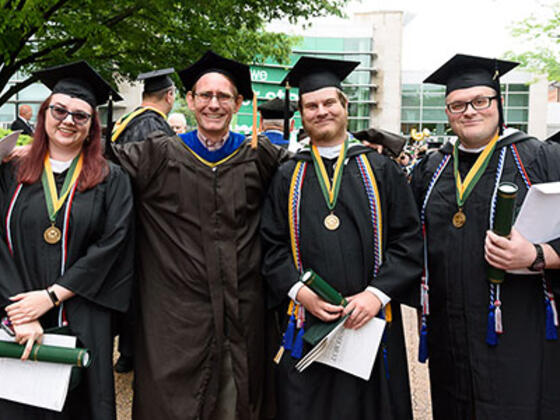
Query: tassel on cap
(287, 112)
(491, 336)
(423, 346)
(498, 327)
(297, 349)
(254, 136)
(551, 332)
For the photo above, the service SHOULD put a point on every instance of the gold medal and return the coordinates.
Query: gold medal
(331, 222)
(52, 235)
(459, 219)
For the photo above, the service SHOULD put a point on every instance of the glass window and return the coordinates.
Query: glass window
(358, 110)
(519, 99)
(433, 97)
(434, 114)
(7, 112)
(517, 115)
(410, 114)
(357, 125)
(518, 87)
(34, 92)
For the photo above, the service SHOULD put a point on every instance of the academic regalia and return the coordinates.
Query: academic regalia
(519, 377)
(98, 270)
(136, 125)
(200, 288)
(345, 259)
(277, 109)
(277, 137)
(138, 128)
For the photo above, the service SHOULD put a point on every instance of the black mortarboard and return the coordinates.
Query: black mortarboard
(555, 138)
(465, 71)
(238, 73)
(78, 80)
(274, 109)
(312, 73)
(156, 80)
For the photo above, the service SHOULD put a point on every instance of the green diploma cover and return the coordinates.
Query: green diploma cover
(319, 330)
(503, 221)
(39, 353)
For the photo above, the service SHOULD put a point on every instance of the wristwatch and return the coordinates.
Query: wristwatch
(54, 298)
(538, 264)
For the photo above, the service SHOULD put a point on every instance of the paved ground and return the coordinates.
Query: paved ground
(418, 377)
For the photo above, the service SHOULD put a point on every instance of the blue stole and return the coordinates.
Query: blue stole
(276, 137)
(231, 145)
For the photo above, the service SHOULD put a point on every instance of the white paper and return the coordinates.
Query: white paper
(352, 351)
(40, 384)
(539, 218)
(8, 143)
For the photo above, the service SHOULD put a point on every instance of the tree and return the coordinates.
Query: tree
(121, 38)
(542, 38)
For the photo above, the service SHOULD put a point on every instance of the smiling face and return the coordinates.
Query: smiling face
(66, 136)
(474, 128)
(214, 116)
(324, 117)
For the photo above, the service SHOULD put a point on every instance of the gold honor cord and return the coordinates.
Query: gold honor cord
(330, 192)
(52, 234)
(464, 188)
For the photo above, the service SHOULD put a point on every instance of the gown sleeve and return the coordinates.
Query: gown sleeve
(399, 275)
(142, 159)
(104, 273)
(278, 265)
(10, 281)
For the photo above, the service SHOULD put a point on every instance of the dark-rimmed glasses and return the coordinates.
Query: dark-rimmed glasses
(60, 114)
(206, 97)
(478, 104)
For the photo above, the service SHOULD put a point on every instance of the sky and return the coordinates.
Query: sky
(435, 30)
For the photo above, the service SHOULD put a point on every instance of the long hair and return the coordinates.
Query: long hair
(94, 169)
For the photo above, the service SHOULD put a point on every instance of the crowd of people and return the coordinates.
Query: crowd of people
(192, 245)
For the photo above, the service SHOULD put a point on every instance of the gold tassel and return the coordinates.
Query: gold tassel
(388, 313)
(254, 138)
(279, 355)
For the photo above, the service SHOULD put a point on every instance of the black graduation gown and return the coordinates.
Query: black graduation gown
(142, 125)
(98, 270)
(344, 258)
(520, 377)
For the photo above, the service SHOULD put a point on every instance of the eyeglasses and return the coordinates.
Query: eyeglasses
(60, 114)
(478, 104)
(205, 97)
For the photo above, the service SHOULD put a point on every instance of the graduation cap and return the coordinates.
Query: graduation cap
(466, 71)
(274, 109)
(555, 138)
(78, 80)
(312, 73)
(238, 73)
(156, 80)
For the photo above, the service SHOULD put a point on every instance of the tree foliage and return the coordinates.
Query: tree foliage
(541, 38)
(126, 37)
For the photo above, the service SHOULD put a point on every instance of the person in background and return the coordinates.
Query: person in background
(272, 121)
(178, 122)
(23, 121)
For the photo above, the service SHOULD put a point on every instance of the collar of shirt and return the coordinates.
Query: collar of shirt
(59, 166)
(210, 145)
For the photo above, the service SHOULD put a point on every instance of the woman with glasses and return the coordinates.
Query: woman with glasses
(65, 239)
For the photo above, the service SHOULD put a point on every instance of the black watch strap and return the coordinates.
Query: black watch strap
(54, 297)
(538, 264)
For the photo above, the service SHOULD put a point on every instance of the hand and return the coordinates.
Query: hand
(27, 334)
(364, 306)
(17, 152)
(508, 253)
(317, 306)
(28, 306)
(377, 147)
